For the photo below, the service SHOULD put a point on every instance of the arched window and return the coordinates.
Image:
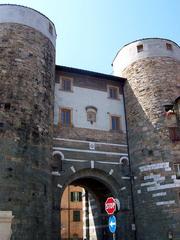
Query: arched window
(56, 164)
(91, 114)
(124, 161)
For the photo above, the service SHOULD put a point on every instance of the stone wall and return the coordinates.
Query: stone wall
(152, 84)
(26, 128)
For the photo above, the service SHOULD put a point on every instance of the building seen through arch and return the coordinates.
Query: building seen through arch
(82, 210)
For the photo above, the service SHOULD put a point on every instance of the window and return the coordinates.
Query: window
(168, 107)
(50, 29)
(140, 48)
(66, 84)
(177, 107)
(172, 119)
(65, 118)
(76, 196)
(5, 106)
(115, 123)
(76, 216)
(174, 134)
(113, 92)
(177, 170)
(169, 46)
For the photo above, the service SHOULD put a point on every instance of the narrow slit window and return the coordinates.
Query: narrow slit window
(174, 134)
(7, 106)
(169, 46)
(50, 29)
(177, 170)
(140, 48)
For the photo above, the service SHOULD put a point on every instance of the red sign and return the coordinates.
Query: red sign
(110, 205)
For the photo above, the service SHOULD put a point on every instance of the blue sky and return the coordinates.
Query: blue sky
(90, 32)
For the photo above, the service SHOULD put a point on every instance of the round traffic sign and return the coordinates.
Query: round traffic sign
(110, 205)
(112, 224)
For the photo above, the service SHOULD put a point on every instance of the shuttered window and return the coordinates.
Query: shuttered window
(65, 117)
(115, 123)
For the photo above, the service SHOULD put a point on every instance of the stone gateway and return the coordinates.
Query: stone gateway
(70, 138)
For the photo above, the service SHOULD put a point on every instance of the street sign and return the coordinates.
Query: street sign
(112, 224)
(110, 205)
(118, 204)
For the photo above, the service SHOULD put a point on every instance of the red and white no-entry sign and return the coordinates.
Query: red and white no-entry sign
(110, 205)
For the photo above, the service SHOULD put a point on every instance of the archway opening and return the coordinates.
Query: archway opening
(82, 214)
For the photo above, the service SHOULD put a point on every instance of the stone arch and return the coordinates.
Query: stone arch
(60, 153)
(124, 161)
(96, 174)
(97, 184)
(85, 177)
(177, 99)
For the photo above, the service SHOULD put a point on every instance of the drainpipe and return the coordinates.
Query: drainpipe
(87, 214)
(130, 166)
(69, 213)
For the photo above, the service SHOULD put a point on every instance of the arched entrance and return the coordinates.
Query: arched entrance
(81, 212)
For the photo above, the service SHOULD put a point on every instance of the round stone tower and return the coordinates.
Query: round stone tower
(152, 69)
(27, 67)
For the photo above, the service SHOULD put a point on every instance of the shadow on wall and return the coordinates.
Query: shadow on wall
(151, 148)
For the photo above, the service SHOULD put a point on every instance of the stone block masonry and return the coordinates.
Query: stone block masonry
(26, 127)
(152, 84)
(153, 78)
(93, 148)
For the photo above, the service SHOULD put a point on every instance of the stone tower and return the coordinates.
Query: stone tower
(152, 69)
(27, 63)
